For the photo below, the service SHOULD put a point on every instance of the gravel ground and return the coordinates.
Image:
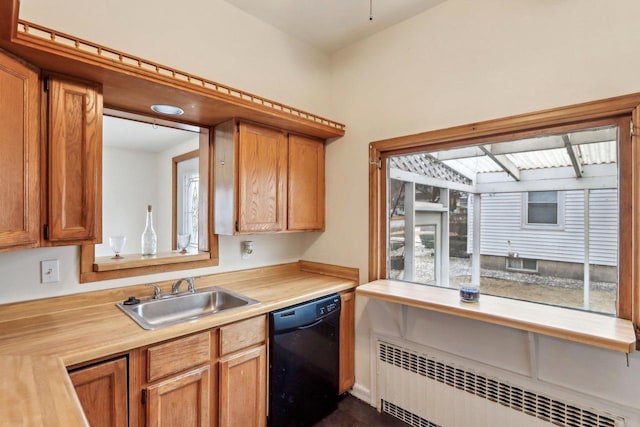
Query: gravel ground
(526, 286)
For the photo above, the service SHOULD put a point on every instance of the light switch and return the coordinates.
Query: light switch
(49, 271)
(247, 249)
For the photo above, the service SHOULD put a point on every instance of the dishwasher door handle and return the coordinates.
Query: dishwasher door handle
(310, 325)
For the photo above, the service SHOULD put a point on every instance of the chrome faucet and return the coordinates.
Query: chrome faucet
(190, 288)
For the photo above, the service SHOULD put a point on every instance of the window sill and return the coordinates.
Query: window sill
(587, 328)
(107, 263)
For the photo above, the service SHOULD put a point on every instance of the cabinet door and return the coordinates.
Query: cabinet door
(262, 177)
(243, 389)
(74, 162)
(19, 155)
(306, 184)
(347, 341)
(181, 401)
(102, 391)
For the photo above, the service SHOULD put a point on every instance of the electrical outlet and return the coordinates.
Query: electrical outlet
(49, 271)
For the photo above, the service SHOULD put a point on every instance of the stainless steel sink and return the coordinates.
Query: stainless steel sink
(175, 309)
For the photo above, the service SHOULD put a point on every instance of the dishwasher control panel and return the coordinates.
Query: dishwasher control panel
(327, 306)
(303, 315)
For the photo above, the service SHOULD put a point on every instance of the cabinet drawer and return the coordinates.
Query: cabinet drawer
(242, 334)
(178, 355)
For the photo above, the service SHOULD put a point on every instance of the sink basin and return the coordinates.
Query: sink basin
(173, 310)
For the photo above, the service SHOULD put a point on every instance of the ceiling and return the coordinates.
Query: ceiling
(139, 136)
(330, 25)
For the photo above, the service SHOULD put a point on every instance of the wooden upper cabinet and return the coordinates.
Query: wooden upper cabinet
(266, 181)
(262, 178)
(306, 184)
(74, 162)
(19, 155)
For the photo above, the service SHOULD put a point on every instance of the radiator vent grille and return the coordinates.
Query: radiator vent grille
(537, 405)
(406, 416)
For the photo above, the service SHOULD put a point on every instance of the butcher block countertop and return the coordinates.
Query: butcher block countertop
(38, 339)
(592, 329)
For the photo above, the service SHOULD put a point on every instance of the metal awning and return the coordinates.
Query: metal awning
(574, 150)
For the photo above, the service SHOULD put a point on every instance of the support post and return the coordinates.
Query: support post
(409, 230)
(475, 256)
(587, 273)
(443, 280)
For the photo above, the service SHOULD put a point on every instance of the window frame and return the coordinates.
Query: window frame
(622, 111)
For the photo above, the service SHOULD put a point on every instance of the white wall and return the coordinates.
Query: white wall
(461, 62)
(129, 184)
(131, 180)
(216, 41)
(209, 38)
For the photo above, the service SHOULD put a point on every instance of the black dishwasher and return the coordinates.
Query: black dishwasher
(303, 362)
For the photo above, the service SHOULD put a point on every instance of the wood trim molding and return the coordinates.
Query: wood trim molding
(626, 259)
(589, 111)
(57, 51)
(349, 273)
(634, 211)
(9, 11)
(87, 259)
(618, 110)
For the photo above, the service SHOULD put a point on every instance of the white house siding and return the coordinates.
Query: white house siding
(502, 221)
(603, 227)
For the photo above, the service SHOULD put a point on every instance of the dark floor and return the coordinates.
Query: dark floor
(353, 412)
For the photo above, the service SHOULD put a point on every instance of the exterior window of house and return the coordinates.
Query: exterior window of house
(542, 207)
(522, 264)
(496, 212)
(185, 204)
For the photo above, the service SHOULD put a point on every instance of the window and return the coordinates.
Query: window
(565, 181)
(522, 264)
(185, 205)
(496, 177)
(542, 207)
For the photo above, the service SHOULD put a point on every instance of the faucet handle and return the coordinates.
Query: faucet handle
(191, 285)
(156, 290)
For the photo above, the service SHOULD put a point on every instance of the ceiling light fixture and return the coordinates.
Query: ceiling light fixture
(168, 109)
(370, 10)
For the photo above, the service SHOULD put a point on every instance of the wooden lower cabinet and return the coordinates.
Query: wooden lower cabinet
(347, 375)
(183, 400)
(243, 388)
(211, 378)
(102, 391)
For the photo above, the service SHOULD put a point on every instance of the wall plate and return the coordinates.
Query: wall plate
(49, 271)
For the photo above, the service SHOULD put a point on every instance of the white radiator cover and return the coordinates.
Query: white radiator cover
(425, 391)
